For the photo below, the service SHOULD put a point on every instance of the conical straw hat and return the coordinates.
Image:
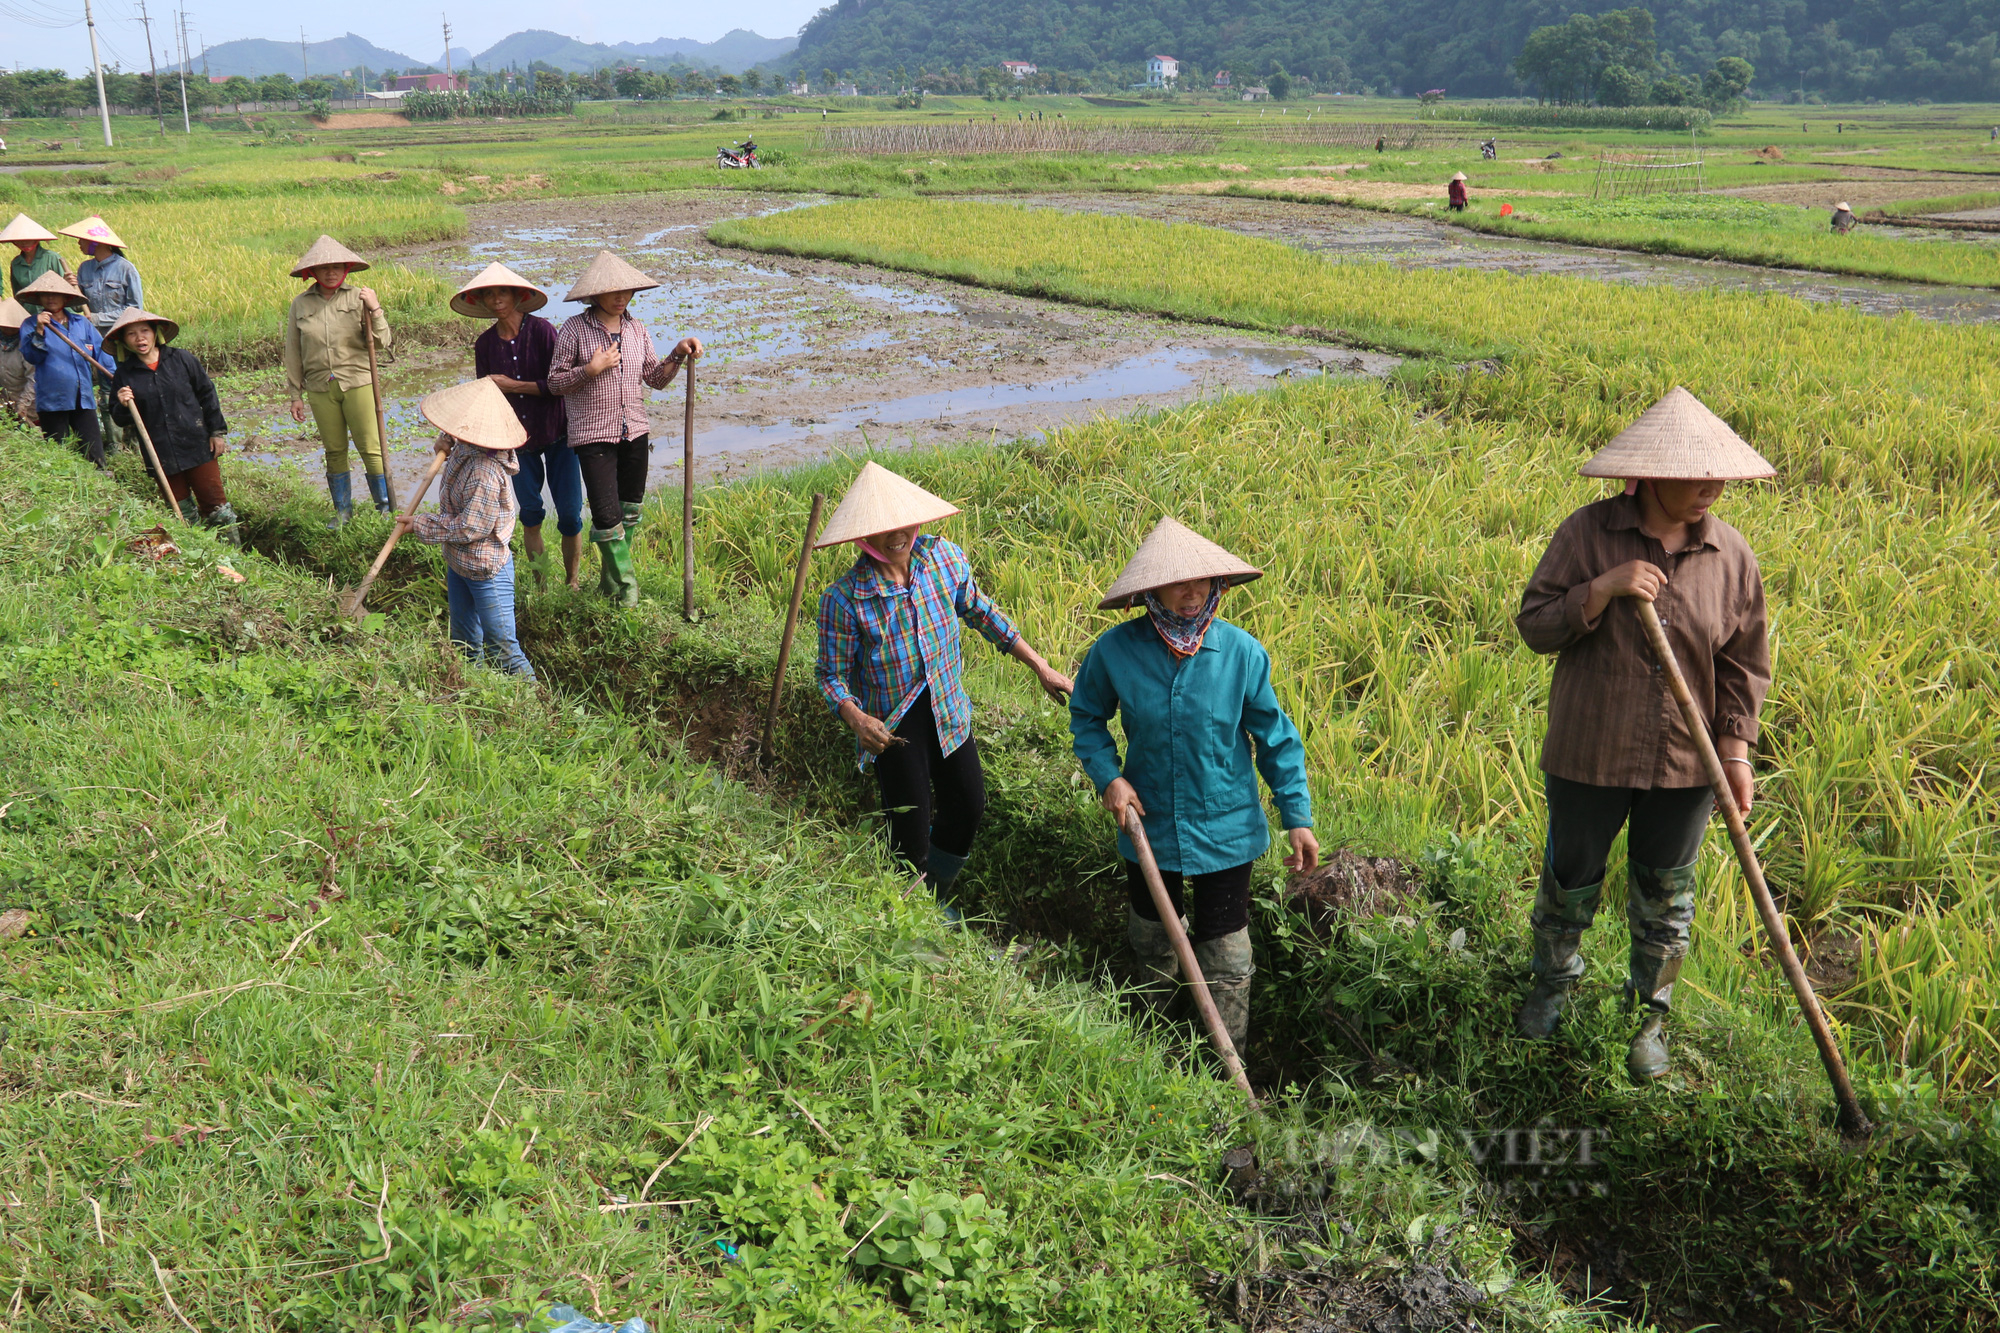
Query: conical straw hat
(51, 284)
(1842, 207)
(881, 501)
(1174, 553)
(1678, 439)
(609, 273)
(12, 314)
(163, 328)
(477, 413)
(533, 298)
(94, 228)
(1458, 175)
(25, 228)
(326, 250)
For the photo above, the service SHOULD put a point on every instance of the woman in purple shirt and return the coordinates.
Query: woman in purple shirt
(514, 353)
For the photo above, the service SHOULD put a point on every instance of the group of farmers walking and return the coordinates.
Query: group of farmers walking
(563, 411)
(1201, 722)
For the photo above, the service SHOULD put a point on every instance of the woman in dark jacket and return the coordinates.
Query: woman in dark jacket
(176, 399)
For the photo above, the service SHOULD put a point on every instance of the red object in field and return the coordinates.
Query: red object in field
(1506, 210)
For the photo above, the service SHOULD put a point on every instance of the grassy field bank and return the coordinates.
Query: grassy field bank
(1399, 544)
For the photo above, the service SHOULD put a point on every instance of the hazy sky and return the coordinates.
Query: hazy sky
(49, 34)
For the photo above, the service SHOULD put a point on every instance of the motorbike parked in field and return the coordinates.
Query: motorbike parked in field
(742, 157)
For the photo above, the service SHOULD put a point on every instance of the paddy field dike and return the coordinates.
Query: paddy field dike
(350, 987)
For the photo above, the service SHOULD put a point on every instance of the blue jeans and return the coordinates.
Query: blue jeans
(482, 619)
(555, 464)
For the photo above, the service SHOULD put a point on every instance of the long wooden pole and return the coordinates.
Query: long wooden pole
(152, 454)
(791, 626)
(1218, 1035)
(687, 500)
(381, 418)
(1852, 1119)
(352, 605)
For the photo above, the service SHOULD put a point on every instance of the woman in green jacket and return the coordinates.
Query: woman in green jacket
(326, 367)
(1194, 692)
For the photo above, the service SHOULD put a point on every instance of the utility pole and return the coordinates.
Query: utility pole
(159, 109)
(186, 126)
(450, 85)
(103, 107)
(304, 72)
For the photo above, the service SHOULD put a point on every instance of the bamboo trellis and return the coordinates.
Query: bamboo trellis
(1641, 173)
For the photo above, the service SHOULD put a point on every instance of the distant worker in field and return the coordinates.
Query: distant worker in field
(516, 353)
(1193, 695)
(1843, 218)
(65, 399)
(33, 256)
(890, 667)
(604, 361)
(480, 437)
(327, 366)
(171, 391)
(17, 377)
(1456, 193)
(1381, 143)
(110, 286)
(1618, 753)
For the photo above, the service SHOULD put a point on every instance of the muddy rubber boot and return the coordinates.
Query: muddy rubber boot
(340, 490)
(607, 574)
(1650, 990)
(1557, 966)
(378, 491)
(1227, 967)
(941, 870)
(225, 523)
(1158, 971)
(621, 566)
(190, 510)
(1659, 910)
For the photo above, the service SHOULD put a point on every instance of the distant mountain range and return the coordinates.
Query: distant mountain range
(256, 57)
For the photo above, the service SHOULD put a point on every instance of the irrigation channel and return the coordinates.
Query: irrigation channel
(810, 357)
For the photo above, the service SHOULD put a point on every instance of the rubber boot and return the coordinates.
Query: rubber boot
(1659, 908)
(190, 510)
(620, 550)
(225, 523)
(607, 575)
(1557, 966)
(1158, 970)
(1227, 967)
(378, 491)
(941, 870)
(340, 490)
(633, 514)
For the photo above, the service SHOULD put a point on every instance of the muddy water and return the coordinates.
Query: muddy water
(1350, 233)
(806, 358)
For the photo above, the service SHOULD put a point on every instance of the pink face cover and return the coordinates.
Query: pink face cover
(862, 542)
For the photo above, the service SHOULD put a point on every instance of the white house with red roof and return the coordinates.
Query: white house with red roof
(1020, 69)
(1161, 71)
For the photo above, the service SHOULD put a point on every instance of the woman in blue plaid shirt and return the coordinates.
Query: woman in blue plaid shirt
(890, 668)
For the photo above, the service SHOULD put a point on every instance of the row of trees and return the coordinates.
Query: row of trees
(1614, 60)
(50, 92)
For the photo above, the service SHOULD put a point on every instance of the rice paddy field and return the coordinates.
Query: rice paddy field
(350, 988)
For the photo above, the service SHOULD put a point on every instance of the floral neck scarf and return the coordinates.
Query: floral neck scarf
(1183, 634)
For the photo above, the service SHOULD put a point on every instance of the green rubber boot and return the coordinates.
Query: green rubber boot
(620, 550)
(607, 575)
(633, 514)
(190, 511)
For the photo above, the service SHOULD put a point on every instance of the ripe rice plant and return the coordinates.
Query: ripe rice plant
(976, 137)
(1398, 542)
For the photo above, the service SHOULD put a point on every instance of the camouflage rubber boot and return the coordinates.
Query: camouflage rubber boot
(226, 524)
(1557, 966)
(190, 510)
(1157, 970)
(633, 513)
(1659, 909)
(1227, 967)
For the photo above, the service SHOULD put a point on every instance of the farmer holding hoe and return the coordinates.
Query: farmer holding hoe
(480, 437)
(1618, 751)
(516, 352)
(604, 362)
(110, 286)
(327, 366)
(1201, 723)
(170, 390)
(65, 399)
(890, 668)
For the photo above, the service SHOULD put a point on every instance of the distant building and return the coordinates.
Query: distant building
(1259, 93)
(1020, 69)
(1222, 80)
(800, 89)
(396, 96)
(1161, 71)
(846, 90)
(218, 78)
(427, 83)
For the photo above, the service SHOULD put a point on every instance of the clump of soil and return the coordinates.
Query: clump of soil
(1348, 886)
(1769, 154)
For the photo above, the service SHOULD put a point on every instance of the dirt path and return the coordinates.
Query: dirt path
(808, 357)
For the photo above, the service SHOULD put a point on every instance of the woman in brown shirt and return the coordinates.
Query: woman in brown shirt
(1617, 748)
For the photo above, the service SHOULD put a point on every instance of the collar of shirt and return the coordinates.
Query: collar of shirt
(1627, 515)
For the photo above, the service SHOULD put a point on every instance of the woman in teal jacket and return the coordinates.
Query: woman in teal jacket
(1194, 693)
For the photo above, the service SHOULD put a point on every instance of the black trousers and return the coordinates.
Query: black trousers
(1221, 899)
(81, 423)
(1667, 826)
(614, 475)
(929, 796)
